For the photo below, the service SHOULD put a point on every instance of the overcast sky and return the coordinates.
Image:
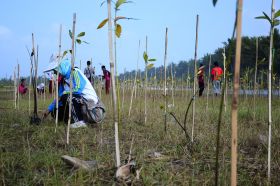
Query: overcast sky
(22, 17)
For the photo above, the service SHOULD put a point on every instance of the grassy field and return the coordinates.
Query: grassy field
(31, 155)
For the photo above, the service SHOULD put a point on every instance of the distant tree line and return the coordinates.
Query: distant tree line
(248, 59)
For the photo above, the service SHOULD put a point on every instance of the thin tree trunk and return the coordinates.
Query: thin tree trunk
(269, 92)
(165, 95)
(194, 76)
(255, 78)
(71, 78)
(114, 95)
(235, 96)
(57, 75)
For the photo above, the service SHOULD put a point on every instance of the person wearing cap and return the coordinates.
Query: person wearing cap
(216, 74)
(86, 105)
(90, 72)
(200, 77)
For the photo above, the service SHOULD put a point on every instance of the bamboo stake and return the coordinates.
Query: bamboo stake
(269, 92)
(255, 78)
(235, 95)
(29, 89)
(172, 85)
(57, 76)
(15, 88)
(111, 57)
(71, 75)
(225, 80)
(208, 85)
(194, 78)
(146, 84)
(134, 83)
(18, 80)
(44, 89)
(165, 84)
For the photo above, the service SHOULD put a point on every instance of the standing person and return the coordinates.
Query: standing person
(41, 88)
(107, 77)
(216, 75)
(200, 77)
(22, 89)
(89, 73)
(86, 106)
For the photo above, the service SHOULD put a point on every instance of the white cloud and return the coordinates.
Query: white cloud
(5, 32)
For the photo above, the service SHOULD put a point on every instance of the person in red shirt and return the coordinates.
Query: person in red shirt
(216, 75)
(200, 77)
(22, 89)
(107, 77)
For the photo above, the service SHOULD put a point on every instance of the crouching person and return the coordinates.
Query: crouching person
(86, 105)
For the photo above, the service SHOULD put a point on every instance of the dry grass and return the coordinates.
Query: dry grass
(30, 155)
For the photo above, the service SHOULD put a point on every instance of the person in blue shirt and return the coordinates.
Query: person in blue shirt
(86, 106)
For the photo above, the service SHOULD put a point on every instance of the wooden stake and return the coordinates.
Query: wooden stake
(234, 107)
(146, 84)
(134, 83)
(165, 80)
(255, 78)
(18, 80)
(225, 80)
(57, 76)
(71, 76)
(29, 89)
(194, 75)
(208, 85)
(15, 88)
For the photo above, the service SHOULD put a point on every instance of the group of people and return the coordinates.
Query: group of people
(86, 107)
(216, 77)
(90, 73)
(22, 89)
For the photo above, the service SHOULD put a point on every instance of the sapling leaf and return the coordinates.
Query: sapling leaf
(120, 17)
(78, 41)
(260, 17)
(70, 34)
(152, 60)
(85, 42)
(70, 51)
(118, 30)
(119, 3)
(145, 56)
(81, 34)
(64, 53)
(149, 66)
(277, 14)
(102, 23)
(215, 2)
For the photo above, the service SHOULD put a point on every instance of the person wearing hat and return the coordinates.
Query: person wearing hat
(200, 77)
(86, 105)
(216, 74)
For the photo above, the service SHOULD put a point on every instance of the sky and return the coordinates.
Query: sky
(20, 18)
